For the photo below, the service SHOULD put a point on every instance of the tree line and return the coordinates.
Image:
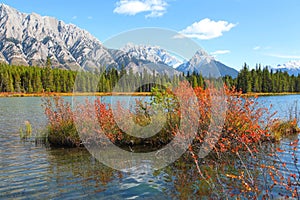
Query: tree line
(30, 79)
(264, 80)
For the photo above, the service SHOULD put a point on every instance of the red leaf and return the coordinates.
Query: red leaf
(279, 150)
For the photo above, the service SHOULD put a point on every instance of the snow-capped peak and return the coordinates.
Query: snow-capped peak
(291, 67)
(295, 64)
(201, 56)
(6, 7)
(154, 54)
(201, 52)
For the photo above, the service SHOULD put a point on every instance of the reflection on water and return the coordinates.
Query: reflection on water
(30, 171)
(76, 173)
(38, 172)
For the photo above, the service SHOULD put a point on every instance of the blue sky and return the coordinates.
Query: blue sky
(235, 31)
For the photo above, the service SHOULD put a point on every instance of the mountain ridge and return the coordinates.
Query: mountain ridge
(29, 39)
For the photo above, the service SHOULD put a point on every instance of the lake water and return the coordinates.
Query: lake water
(30, 171)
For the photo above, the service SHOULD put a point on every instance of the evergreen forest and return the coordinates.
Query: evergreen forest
(30, 79)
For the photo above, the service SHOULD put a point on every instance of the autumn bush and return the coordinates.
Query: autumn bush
(243, 146)
(61, 129)
(248, 141)
(93, 122)
(245, 123)
(132, 120)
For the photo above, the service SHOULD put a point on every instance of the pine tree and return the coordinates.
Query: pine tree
(17, 82)
(194, 81)
(48, 76)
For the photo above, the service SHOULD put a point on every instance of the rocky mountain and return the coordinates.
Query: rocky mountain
(292, 67)
(142, 58)
(205, 64)
(28, 39)
(153, 54)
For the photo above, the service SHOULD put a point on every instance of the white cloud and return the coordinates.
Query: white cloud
(284, 56)
(207, 29)
(220, 52)
(90, 17)
(74, 17)
(157, 8)
(256, 48)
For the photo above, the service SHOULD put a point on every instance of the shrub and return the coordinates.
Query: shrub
(282, 129)
(61, 129)
(246, 126)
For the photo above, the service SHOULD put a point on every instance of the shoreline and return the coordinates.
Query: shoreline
(52, 94)
(17, 94)
(253, 94)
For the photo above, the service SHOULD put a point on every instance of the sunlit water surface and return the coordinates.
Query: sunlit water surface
(30, 171)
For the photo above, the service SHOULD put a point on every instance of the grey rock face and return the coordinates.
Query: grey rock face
(28, 39)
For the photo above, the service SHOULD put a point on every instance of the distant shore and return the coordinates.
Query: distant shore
(13, 94)
(253, 94)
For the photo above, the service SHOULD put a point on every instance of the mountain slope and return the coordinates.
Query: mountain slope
(28, 39)
(204, 64)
